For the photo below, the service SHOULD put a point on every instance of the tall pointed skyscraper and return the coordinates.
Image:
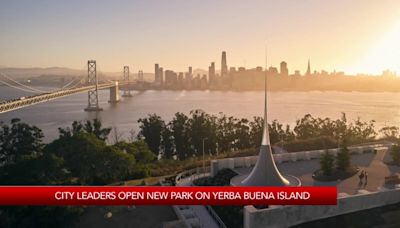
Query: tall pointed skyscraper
(308, 73)
(224, 66)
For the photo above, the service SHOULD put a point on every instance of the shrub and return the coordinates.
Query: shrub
(323, 142)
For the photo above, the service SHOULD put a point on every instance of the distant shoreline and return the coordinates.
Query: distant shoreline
(235, 90)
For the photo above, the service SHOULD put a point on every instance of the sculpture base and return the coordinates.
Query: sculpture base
(293, 181)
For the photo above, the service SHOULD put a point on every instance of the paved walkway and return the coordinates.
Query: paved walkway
(201, 212)
(372, 163)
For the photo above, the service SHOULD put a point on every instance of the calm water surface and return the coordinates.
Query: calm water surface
(286, 107)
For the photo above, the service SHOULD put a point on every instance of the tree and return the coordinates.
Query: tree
(90, 159)
(390, 132)
(202, 126)
(179, 128)
(18, 141)
(343, 158)
(327, 163)
(256, 131)
(92, 127)
(225, 132)
(167, 143)
(150, 130)
(276, 132)
(395, 153)
(361, 131)
(116, 135)
(307, 127)
(242, 134)
(35, 170)
(77, 127)
(138, 149)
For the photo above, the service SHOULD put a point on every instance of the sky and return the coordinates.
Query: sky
(358, 36)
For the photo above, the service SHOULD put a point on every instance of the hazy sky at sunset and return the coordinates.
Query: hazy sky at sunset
(351, 36)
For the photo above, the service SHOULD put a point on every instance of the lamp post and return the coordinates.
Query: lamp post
(204, 162)
(340, 136)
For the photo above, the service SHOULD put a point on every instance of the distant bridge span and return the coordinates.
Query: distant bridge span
(19, 103)
(91, 86)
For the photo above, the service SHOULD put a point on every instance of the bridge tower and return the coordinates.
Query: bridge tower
(140, 76)
(93, 98)
(127, 90)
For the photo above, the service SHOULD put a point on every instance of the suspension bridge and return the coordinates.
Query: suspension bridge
(90, 84)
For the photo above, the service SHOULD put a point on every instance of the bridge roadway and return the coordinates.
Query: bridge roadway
(11, 105)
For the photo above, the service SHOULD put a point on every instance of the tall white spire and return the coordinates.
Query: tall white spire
(265, 172)
(265, 136)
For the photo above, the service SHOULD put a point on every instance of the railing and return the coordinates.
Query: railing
(215, 216)
(192, 174)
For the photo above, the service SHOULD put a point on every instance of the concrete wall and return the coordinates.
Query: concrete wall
(249, 161)
(286, 216)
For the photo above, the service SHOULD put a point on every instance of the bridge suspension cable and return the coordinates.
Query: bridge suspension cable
(16, 87)
(23, 85)
(69, 83)
(67, 86)
(34, 90)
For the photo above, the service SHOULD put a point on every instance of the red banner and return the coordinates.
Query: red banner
(126, 195)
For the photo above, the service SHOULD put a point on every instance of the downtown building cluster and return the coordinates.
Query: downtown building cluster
(227, 78)
(232, 78)
(169, 79)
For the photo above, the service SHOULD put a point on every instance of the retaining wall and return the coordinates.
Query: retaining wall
(286, 216)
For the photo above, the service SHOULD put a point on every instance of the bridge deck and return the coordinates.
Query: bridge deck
(44, 97)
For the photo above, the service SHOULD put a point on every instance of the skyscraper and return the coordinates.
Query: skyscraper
(156, 71)
(190, 73)
(224, 66)
(171, 78)
(283, 69)
(160, 75)
(211, 74)
(308, 73)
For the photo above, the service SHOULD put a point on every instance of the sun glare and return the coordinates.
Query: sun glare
(383, 55)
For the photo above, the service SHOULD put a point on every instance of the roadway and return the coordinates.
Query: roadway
(14, 104)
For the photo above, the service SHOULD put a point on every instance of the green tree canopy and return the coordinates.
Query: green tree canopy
(327, 163)
(138, 149)
(179, 127)
(19, 140)
(92, 127)
(90, 159)
(150, 130)
(343, 158)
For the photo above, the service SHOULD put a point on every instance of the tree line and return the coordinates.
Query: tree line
(183, 136)
(80, 156)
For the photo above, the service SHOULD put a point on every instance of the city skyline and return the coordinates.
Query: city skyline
(354, 37)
